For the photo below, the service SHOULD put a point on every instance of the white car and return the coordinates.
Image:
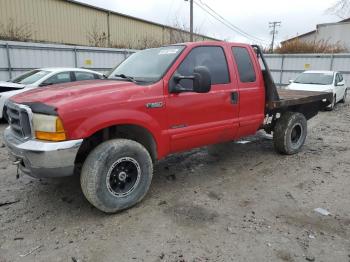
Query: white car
(322, 81)
(43, 77)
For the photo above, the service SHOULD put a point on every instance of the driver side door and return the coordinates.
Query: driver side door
(197, 119)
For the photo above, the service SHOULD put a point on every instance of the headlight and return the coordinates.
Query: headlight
(48, 127)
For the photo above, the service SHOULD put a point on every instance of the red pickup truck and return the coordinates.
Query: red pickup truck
(157, 102)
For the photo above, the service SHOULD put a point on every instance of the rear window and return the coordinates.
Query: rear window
(80, 76)
(244, 64)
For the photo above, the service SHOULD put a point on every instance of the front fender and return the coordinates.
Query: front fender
(97, 122)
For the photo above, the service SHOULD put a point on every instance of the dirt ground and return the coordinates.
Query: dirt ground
(231, 202)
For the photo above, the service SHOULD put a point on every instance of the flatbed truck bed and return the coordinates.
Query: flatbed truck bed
(278, 100)
(289, 98)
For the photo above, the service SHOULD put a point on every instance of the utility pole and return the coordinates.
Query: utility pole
(191, 19)
(273, 32)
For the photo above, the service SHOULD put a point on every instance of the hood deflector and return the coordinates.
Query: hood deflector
(41, 108)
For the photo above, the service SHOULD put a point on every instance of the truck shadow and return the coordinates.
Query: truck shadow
(63, 198)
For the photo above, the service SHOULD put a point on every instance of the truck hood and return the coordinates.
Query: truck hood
(8, 86)
(57, 95)
(310, 87)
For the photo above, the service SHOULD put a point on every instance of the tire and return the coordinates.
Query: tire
(290, 133)
(116, 175)
(344, 97)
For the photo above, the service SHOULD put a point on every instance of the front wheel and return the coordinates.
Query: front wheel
(290, 133)
(116, 175)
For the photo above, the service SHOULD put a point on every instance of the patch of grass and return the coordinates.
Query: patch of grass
(297, 46)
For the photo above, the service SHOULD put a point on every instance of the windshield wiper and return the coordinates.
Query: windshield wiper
(129, 78)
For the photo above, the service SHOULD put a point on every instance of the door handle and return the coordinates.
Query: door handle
(234, 98)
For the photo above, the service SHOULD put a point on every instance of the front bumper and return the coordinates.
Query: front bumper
(42, 159)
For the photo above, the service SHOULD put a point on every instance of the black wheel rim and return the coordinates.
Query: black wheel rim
(123, 176)
(296, 134)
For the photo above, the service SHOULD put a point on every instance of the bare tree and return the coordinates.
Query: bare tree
(15, 32)
(297, 46)
(340, 8)
(96, 37)
(182, 34)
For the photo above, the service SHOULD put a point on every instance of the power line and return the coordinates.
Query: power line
(227, 23)
(274, 32)
(219, 20)
(236, 27)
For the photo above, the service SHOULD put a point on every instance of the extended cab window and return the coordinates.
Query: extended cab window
(244, 64)
(212, 57)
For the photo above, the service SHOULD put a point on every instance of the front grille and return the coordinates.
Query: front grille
(18, 117)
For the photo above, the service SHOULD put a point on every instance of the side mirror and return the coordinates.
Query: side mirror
(340, 84)
(201, 81)
(291, 81)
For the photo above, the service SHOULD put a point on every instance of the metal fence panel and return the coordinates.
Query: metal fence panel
(19, 57)
(3, 58)
(99, 61)
(4, 76)
(286, 67)
(275, 62)
(29, 58)
(342, 63)
(316, 63)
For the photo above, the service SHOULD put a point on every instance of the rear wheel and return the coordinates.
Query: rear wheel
(290, 133)
(116, 175)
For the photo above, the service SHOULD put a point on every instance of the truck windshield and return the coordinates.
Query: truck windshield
(147, 65)
(315, 78)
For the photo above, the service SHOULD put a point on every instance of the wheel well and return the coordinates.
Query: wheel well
(132, 132)
(309, 110)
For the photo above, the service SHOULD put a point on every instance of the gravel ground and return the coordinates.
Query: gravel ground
(231, 202)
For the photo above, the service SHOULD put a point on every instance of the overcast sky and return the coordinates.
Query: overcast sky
(252, 16)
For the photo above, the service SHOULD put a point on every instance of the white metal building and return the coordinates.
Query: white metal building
(76, 23)
(332, 33)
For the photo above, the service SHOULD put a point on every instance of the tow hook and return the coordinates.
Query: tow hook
(17, 162)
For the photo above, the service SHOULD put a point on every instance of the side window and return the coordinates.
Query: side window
(244, 64)
(340, 77)
(337, 79)
(212, 57)
(98, 76)
(63, 77)
(80, 76)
